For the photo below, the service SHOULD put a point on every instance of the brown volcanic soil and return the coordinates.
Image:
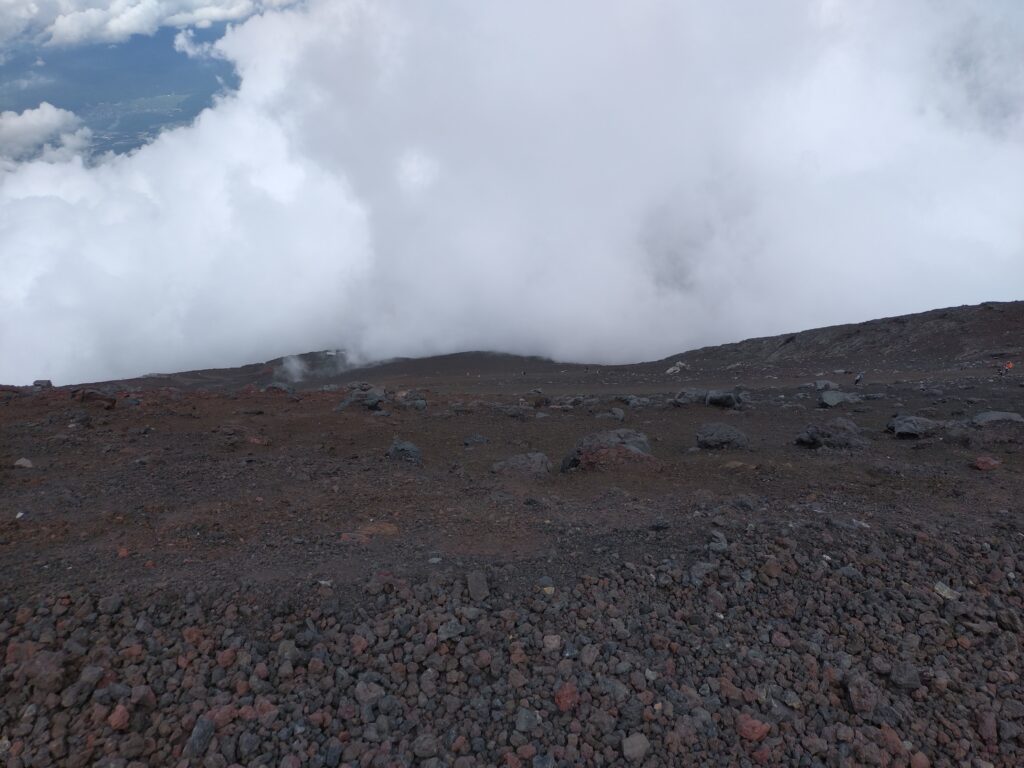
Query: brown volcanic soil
(255, 561)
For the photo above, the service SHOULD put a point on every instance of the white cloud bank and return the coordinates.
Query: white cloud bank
(591, 181)
(54, 134)
(75, 22)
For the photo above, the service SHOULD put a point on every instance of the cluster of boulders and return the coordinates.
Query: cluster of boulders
(378, 400)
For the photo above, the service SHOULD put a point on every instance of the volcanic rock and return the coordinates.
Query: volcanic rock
(716, 436)
(604, 449)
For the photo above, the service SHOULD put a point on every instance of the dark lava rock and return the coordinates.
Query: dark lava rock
(863, 695)
(723, 398)
(402, 450)
(832, 398)
(635, 747)
(717, 436)
(690, 395)
(840, 434)
(198, 742)
(370, 397)
(616, 446)
(912, 427)
(476, 583)
(997, 417)
(110, 604)
(905, 675)
(523, 464)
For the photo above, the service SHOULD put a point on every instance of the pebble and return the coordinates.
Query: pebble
(635, 747)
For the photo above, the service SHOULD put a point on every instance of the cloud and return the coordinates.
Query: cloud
(606, 182)
(76, 22)
(185, 42)
(45, 130)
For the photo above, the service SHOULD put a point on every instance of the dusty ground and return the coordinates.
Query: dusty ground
(773, 604)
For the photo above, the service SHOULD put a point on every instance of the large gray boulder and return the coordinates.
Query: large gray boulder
(913, 427)
(403, 450)
(831, 398)
(535, 464)
(716, 436)
(997, 417)
(370, 397)
(602, 449)
(690, 395)
(723, 398)
(839, 434)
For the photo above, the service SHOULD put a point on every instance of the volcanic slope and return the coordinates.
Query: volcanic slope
(485, 560)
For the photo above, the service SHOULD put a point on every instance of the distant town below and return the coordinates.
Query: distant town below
(126, 93)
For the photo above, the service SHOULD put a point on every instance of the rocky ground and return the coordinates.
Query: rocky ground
(496, 561)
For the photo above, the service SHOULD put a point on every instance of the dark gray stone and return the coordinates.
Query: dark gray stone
(723, 398)
(912, 427)
(199, 741)
(831, 398)
(402, 450)
(476, 582)
(717, 436)
(997, 417)
(536, 464)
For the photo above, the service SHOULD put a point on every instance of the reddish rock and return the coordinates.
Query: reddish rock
(566, 697)
(18, 653)
(223, 716)
(750, 728)
(987, 463)
(119, 718)
(359, 645)
(987, 727)
(730, 691)
(133, 654)
(891, 739)
(863, 695)
(226, 658)
(192, 635)
(527, 751)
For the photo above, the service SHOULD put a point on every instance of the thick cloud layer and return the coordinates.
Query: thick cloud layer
(603, 182)
(73, 22)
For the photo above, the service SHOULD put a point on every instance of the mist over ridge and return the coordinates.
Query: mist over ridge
(590, 183)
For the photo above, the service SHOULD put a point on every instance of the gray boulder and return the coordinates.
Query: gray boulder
(690, 395)
(997, 417)
(536, 464)
(716, 436)
(913, 427)
(605, 448)
(723, 398)
(840, 434)
(831, 398)
(402, 450)
(370, 397)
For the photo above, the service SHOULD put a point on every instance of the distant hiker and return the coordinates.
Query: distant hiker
(859, 379)
(1005, 369)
